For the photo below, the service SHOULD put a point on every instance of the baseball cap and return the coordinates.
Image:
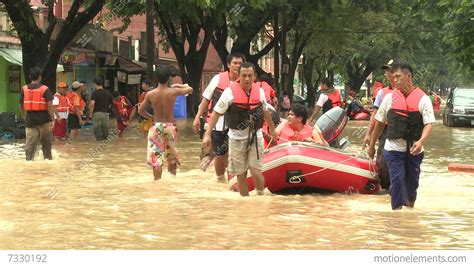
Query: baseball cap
(62, 85)
(76, 84)
(388, 65)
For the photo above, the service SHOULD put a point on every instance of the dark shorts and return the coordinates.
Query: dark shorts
(73, 121)
(220, 142)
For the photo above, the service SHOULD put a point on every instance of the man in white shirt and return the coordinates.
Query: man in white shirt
(409, 114)
(210, 96)
(329, 98)
(245, 106)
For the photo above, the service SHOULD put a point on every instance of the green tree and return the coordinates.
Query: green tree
(39, 48)
(187, 29)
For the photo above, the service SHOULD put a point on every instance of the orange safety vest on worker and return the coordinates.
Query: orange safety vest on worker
(289, 134)
(245, 107)
(63, 105)
(270, 96)
(334, 99)
(72, 109)
(122, 106)
(404, 118)
(33, 100)
(224, 82)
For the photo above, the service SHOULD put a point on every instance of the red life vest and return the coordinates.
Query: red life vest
(334, 99)
(72, 109)
(404, 118)
(270, 96)
(122, 106)
(224, 82)
(63, 105)
(33, 99)
(245, 107)
(289, 134)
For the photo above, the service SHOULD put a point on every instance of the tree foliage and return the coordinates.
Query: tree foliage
(38, 45)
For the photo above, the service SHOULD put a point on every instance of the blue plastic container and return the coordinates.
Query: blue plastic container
(180, 107)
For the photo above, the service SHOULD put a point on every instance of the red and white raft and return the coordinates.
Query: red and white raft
(301, 167)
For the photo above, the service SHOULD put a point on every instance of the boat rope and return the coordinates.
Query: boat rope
(372, 171)
(328, 167)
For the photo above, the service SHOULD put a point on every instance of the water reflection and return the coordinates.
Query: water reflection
(111, 202)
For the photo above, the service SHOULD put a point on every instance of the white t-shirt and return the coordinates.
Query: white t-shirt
(207, 94)
(323, 98)
(378, 99)
(62, 115)
(426, 109)
(224, 103)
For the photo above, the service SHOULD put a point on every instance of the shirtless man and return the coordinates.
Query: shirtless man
(162, 135)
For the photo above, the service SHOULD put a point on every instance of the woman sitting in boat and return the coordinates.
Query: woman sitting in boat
(296, 129)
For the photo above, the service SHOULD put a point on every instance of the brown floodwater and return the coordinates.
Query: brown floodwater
(104, 197)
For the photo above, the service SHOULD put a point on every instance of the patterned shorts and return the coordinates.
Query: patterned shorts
(162, 138)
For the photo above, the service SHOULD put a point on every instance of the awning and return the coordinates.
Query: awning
(128, 66)
(15, 56)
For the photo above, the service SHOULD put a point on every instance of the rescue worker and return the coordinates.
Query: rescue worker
(409, 116)
(329, 98)
(380, 161)
(76, 107)
(36, 104)
(245, 106)
(210, 96)
(61, 112)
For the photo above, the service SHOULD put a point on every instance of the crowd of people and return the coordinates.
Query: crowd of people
(241, 113)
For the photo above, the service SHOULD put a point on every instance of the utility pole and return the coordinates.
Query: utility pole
(150, 42)
(276, 56)
(284, 62)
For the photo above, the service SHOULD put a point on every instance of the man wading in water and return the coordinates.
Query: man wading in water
(162, 135)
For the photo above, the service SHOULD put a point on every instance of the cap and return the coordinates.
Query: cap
(76, 84)
(62, 85)
(388, 65)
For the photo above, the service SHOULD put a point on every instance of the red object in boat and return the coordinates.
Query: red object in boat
(461, 167)
(361, 116)
(301, 167)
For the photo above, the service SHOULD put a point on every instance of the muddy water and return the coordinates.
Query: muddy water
(104, 198)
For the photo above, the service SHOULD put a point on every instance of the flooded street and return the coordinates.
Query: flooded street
(108, 200)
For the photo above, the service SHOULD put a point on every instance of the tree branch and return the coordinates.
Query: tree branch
(51, 19)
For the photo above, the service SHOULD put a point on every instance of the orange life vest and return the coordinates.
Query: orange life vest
(404, 118)
(33, 99)
(224, 82)
(334, 99)
(71, 95)
(63, 105)
(289, 134)
(270, 96)
(245, 107)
